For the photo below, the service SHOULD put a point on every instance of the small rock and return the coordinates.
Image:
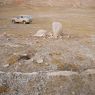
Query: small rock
(40, 60)
(41, 33)
(31, 59)
(73, 93)
(19, 63)
(46, 64)
(6, 65)
(50, 35)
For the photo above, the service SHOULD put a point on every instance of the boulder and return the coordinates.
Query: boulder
(41, 33)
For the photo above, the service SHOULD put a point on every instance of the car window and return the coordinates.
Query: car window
(17, 17)
(21, 16)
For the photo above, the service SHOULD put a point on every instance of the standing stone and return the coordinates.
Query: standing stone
(56, 29)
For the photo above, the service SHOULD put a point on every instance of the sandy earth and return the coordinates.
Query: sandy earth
(75, 47)
(76, 21)
(44, 65)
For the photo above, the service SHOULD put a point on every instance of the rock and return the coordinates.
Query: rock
(40, 60)
(6, 65)
(50, 35)
(56, 29)
(31, 60)
(61, 73)
(41, 33)
(46, 64)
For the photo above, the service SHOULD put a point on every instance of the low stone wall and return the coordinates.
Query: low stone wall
(48, 83)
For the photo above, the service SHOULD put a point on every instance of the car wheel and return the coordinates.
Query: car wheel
(13, 21)
(28, 22)
(24, 22)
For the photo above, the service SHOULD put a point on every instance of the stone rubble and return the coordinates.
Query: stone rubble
(48, 83)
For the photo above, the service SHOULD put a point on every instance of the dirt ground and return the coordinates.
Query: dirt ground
(58, 54)
(46, 65)
(75, 21)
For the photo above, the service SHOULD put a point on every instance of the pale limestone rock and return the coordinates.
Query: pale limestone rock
(56, 29)
(62, 73)
(6, 65)
(40, 60)
(40, 33)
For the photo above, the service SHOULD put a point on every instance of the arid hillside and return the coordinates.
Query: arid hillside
(34, 61)
(58, 3)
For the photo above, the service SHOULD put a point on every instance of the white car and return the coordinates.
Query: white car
(25, 19)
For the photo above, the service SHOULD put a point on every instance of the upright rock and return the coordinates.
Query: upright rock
(56, 29)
